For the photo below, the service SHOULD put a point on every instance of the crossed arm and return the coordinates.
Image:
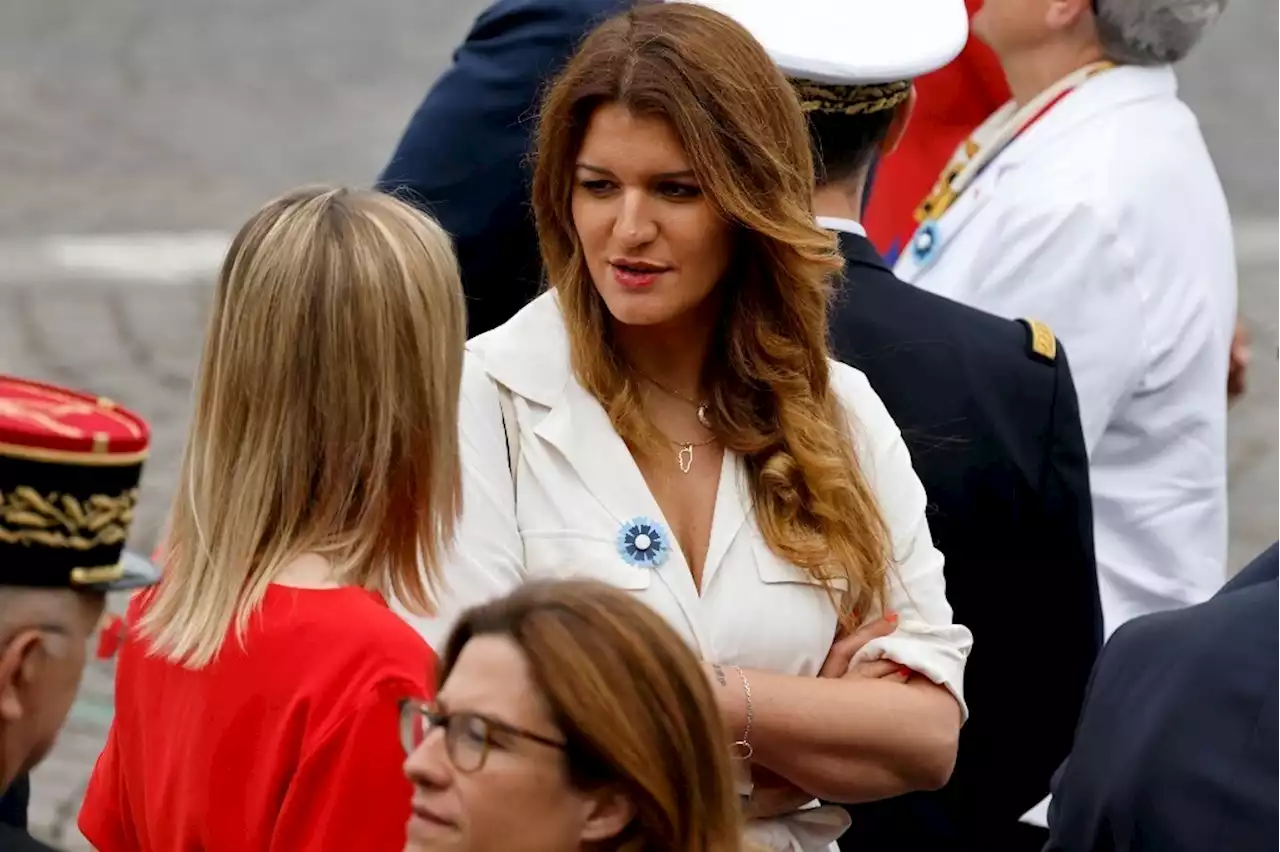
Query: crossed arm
(848, 739)
(854, 734)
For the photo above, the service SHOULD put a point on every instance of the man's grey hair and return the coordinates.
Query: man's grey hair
(1153, 32)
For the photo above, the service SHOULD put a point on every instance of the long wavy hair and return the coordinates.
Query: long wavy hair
(633, 704)
(769, 381)
(326, 415)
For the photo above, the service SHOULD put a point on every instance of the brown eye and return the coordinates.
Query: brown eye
(680, 191)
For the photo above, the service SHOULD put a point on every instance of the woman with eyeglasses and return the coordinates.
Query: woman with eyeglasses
(569, 717)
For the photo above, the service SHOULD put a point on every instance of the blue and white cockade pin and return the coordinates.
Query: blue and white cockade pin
(643, 543)
(924, 242)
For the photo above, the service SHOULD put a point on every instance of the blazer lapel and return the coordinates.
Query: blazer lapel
(733, 502)
(530, 355)
(580, 429)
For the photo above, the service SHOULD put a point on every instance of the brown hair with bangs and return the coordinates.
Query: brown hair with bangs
(632, 702)
(769, 379)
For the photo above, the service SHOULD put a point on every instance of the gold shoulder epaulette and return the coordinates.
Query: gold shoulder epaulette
(1041, 341)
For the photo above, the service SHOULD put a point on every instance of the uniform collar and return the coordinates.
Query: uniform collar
(844, 226)
(854, 244)
(858, 249)
(529, 353)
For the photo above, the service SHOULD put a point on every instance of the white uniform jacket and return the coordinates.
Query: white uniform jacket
(1106, 220)
(577, 486)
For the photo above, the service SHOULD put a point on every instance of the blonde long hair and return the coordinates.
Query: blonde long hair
(633, 704)
(769, 377)
(326, 415)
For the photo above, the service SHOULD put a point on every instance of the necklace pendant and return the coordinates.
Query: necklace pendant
(703, 417)
(685, 457)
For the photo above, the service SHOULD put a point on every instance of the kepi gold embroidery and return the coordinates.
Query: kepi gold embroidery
(831, 99)
(63, 521)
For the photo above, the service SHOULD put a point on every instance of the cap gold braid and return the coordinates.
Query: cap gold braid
(832, 99)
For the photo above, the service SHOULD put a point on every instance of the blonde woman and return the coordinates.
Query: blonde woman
(668, 419)
(570, 717)
(257, 692)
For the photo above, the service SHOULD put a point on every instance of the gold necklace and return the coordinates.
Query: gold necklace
(704, 416)
(684, 457)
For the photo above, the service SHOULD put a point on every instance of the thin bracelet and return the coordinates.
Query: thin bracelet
(742, 749)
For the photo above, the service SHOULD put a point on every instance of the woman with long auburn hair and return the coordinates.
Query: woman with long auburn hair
(667, 419)
(569, 717)
(257, 690)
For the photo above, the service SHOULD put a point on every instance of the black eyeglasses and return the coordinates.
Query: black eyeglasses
(467, 736)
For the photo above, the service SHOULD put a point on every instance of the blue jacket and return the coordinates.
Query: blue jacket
(1177, 745)
(465, 156)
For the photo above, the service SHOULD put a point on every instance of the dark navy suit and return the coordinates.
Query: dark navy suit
(994, 434)
(13, 804)
(465, 155)
(1177, 746)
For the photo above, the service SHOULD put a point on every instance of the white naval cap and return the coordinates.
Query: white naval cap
(853, 42)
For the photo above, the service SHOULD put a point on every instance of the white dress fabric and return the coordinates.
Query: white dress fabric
(577, 486)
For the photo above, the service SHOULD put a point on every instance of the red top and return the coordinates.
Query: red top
(40, 417)
(291, 746)
(950, 104)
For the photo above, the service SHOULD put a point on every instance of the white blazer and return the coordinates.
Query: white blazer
(1106, 220)
(577, 487)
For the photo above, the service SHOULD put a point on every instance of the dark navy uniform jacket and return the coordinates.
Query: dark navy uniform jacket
(465, 155)
(994, 433)
(1176, 750)
(13, 804)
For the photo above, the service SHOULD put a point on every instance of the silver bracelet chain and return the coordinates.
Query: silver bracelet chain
(742, 749)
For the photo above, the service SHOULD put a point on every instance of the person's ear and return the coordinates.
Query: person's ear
(20, 662)
(898, 127)
(609, 812)
(1064, 14)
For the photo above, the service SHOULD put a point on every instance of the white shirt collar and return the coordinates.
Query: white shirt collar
(529, 353)
(836, 223)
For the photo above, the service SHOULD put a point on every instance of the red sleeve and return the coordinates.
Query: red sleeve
(350, 791)
(102, 814)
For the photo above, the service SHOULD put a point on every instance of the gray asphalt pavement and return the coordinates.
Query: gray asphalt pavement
(130, 117)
